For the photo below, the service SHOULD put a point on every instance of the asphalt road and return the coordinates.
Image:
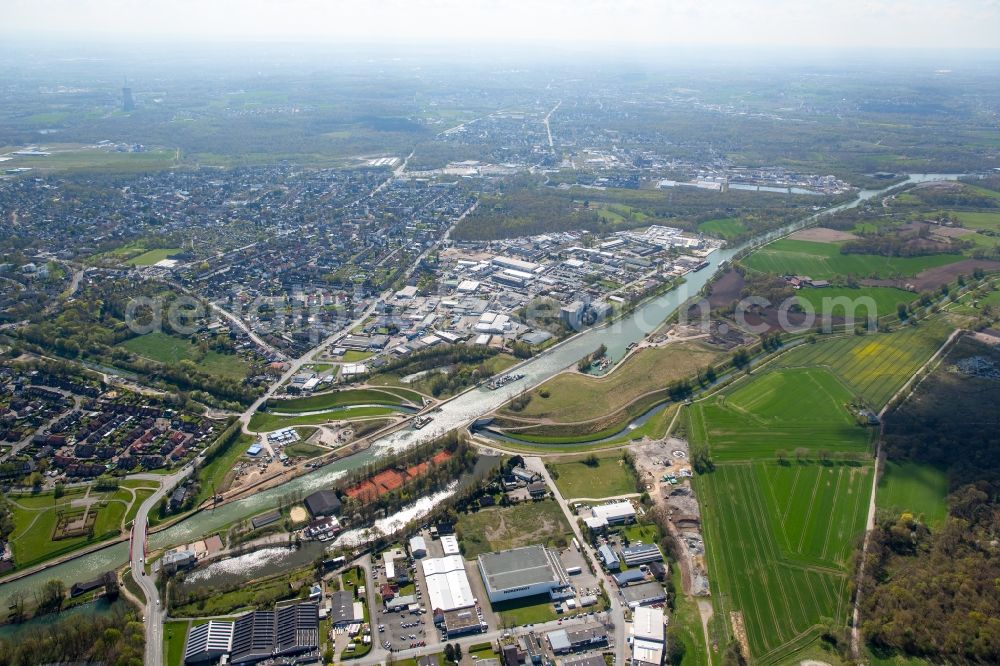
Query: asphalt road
(154, 611)
(617, 609)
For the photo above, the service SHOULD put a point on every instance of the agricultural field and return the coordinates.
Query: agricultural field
(723, 227)
(787, 500)
(170, 350)
(524, 524)
(915, 488)
(823, 261)
(873, 366)
(610, 477)
(782, 409)
(831, 301)
(988, 221)
(778, 539)
(572, 396)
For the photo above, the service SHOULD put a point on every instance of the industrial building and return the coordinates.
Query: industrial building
(418, 547)
(586, 660)
(578, 638)
(615, 513)
(253, 638)
(647, 637)
(402, 603)
(286, 632)
(641, 553)
(344, 610)
(208, 642)
(296, 629)
(629, 577)
(462, 621)
(609, 558)
(323, 503)
(521, 572)
(449, 544)
(643, 594)
(448, 585)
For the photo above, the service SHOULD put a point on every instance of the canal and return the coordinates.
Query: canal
(457, 412)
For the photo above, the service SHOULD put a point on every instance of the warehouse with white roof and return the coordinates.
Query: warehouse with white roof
(647, 636)
(616, 513)
(448, 585)
(208, 642)
(449, 544)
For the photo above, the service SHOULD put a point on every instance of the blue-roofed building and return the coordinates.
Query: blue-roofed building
(254, 449)
(641, 553)
(626, 578)
(609, 558)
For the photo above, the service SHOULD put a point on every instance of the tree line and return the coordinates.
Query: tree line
(931, 592)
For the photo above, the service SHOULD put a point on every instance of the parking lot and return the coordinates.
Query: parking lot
(404, 629)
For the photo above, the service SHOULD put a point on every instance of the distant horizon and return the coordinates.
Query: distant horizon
(588, 25)
(254, 52)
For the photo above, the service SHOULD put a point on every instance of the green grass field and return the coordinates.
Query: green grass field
(973, 220)
(611, 477)
(864, 301)
(174, 638)
(529, 610)
(212, 475)
(406, 394)
(685, 624)
(151, 257)
(500, 528)
(354, 356)
(873, 366)
(170, 350)
(140, 496)
(824, 261)
(778, 539)
(77, 158)
(577, 397)
(393, 382)
(35, 518)
(265, 422)
(304, 450)
(914, 488)
(779, 536)
(723, 227)
(781, 409)
(333, 399)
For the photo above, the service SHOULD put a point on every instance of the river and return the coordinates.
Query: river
(457, 412)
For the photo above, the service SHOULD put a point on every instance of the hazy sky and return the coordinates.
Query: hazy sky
(821, 23)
